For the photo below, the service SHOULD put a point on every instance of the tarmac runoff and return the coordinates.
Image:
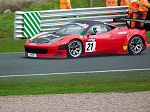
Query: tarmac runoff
(16, 64)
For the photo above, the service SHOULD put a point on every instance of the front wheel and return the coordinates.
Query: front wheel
(75, 49)
(135, 45)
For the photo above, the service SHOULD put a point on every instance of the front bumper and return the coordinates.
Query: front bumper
(44, 51)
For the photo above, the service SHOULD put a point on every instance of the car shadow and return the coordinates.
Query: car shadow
(104, 55)
(82, 57)
(36, 58)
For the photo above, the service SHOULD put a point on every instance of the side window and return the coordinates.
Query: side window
(105, 28)
(73, 29)
(99, 29)
(91, 30)
(63, 29)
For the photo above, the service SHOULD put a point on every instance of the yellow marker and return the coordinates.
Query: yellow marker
(125, 48)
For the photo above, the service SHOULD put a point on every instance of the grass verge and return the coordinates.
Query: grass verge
(6, 25)
(11, 45)
(76, 83)
(148, 37)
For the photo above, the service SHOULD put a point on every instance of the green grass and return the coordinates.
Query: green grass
(6, 25)
(52, 5)
(76, 83)
(148, 37)
(11, 46)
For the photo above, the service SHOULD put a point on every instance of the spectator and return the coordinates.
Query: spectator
(111, 3)
(148, 13)
(143, 9)
(132, 10)
(129, 4)
(135, 11)
(123, 3)
(65, 4)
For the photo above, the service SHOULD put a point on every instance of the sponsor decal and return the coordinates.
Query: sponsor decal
(98, 36)
(90, 45)
(101, 36)
(122, 32)
(124, 48)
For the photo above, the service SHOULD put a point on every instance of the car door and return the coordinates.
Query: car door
(101, 41)
(119, 39)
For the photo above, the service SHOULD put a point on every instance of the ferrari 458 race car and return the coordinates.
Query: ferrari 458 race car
(86, 38)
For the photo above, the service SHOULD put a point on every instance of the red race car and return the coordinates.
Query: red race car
(86, 38)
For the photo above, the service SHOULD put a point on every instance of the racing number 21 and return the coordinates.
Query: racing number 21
(90, 46)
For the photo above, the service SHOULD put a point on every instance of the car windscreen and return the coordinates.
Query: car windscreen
(72, 29)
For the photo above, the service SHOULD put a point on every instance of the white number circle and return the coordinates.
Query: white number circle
(90, 46)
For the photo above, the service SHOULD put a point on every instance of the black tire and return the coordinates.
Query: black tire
(75, 49)
(136, 45)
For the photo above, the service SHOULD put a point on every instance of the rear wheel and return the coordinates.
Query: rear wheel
(135, 45)
(75, 49)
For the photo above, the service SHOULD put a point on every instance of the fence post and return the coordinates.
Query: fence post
(91, 3)
(18, 25)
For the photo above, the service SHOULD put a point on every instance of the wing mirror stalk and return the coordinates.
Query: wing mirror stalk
(93, 33)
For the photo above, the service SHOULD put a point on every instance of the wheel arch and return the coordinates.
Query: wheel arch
(79, 40)
(81, 43)
(139, 36)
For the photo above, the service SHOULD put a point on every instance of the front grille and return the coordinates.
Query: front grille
(36, 50)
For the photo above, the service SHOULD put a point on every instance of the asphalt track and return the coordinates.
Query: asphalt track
(18, 64)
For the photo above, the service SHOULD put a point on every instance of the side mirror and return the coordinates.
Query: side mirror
(93, 33)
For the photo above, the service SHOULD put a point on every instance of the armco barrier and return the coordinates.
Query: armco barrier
(28, 24)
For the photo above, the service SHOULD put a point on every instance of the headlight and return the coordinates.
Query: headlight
(55, 40)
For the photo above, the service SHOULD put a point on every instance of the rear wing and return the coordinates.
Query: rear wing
(138, 21)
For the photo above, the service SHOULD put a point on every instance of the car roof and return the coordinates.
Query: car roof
(89, 22)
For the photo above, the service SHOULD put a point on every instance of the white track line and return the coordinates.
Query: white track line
(86, 72)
